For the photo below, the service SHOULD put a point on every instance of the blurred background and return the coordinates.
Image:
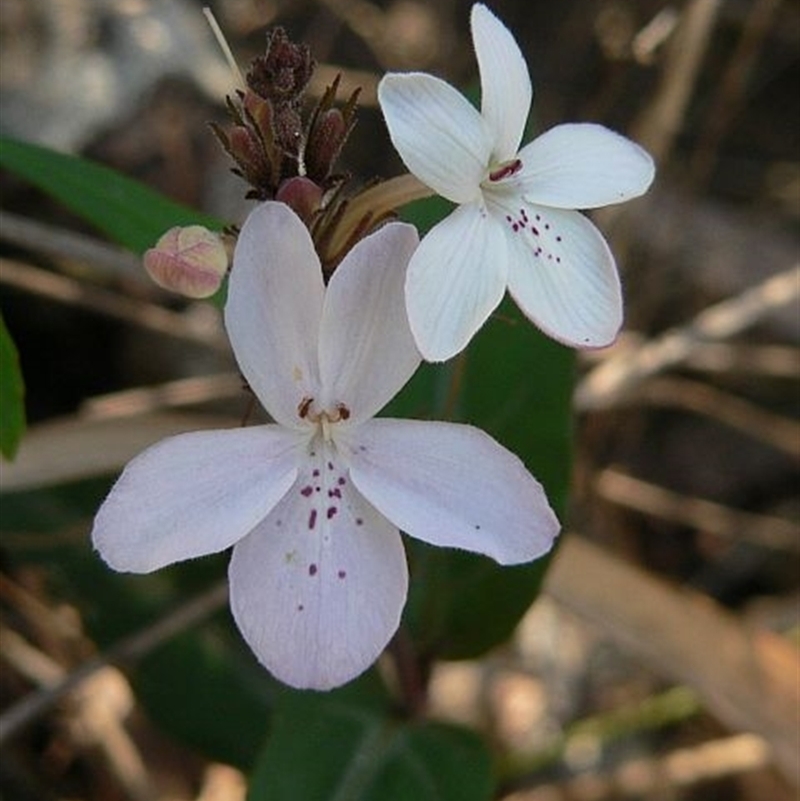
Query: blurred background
(661, 662)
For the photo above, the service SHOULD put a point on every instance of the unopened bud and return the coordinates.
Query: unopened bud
(191, 261)
(302, 195)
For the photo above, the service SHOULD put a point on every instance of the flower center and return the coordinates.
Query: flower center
(323, 418)
(505, 170)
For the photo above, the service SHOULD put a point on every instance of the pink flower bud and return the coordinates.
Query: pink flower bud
(302, 195)
(191, 261)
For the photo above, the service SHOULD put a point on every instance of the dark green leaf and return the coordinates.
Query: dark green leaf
(123, 209)
(332, 748)
(12, 395)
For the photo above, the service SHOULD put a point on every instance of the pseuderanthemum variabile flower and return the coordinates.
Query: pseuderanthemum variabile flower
(516, 224)
(313, 503)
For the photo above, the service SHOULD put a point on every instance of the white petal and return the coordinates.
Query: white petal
(194, 494)
(583, 166)
(441, 138)
(452, 485)
(318, 595)
(563, 276)
(273, 309)
(506, 91)
(366, 351)
(456, 279)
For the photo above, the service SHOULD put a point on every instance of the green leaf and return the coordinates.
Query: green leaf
(12, 395)
(125, 210)
(333, 748)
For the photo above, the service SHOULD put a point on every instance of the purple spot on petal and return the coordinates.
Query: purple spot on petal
(306, 491)
(330, 465)
(315, 472)
(359, 521)
(341, 574)
(558, 239)
(334, 493)
(312, 519)
(300, 607)
(312, 570)
(332, 510)
(341, 481)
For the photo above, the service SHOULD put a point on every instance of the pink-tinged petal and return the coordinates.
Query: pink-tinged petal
(274, 306)
(452, 485)
(194, 494)
(506, 91)
(583, 166)
(441, 138)
(318, 588)
(456, 279)
(562, 275)
(367, 352)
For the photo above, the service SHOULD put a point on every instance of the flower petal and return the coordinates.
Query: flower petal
(452, 485)
(583, 166)
(194, 494)
(366, 351)
(563, 276)
(506, 91)
(316, 595)
(273, 310)
(456, 279)
(441, 138)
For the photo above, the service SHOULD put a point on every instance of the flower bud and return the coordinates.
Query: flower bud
(302, 195)
(191, 261)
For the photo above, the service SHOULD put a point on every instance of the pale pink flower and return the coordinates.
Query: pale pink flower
(313, 503)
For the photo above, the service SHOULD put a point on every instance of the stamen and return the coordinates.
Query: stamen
(505, 170)
(303, 407)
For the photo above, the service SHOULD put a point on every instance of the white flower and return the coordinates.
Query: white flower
(312, 504)
(514, 226)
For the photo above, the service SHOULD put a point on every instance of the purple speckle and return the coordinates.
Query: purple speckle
(312, 570)
(300, 607)
(330, 465)
(558, 239)
(334, 493)
(341, 481)
(315, 472)
(359, 521)
(312, 519)
(306, 491)
(332, 510)
(342, 574)
(535, 230)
